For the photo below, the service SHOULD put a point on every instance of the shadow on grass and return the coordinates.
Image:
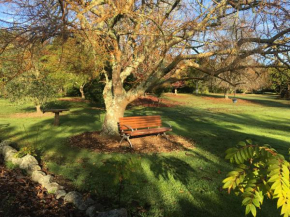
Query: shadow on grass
(263, 100)
(215, 138)
(5, 131)
(173, 184)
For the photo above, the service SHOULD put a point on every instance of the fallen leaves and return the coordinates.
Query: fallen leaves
(148, 144)
(22, 197)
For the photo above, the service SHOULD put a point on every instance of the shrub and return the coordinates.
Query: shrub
(260, 172)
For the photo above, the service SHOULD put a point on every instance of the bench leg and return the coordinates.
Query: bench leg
(165, 135)
(127, 138)
(129, 141)
(123, 137)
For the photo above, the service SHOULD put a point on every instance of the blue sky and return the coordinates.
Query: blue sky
(5, 10)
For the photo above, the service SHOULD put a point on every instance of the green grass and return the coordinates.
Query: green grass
(169, 184)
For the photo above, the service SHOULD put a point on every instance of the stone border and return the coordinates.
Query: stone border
(30, 164)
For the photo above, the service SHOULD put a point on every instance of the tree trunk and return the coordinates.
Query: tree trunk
(38, 110)
(82, 91)
(115, 109)
(196, 88)
(226, 94)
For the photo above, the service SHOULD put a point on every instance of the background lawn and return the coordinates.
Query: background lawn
(184, 183)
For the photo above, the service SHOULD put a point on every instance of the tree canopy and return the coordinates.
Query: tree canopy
(155, 41)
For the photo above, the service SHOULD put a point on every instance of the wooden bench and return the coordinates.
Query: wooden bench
(141, 126)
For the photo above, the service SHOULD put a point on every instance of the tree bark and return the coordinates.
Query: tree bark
(226, 94)
(82, 92)
(196, 88)
(116, 100)
(115, 109)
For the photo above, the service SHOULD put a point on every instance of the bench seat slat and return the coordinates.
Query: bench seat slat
(140, 117)
(148, 131)
(139, 125)
(140, 122)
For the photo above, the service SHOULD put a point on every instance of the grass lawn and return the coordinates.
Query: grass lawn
(186, 183)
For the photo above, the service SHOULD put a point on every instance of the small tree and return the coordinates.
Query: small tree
(32, 88)
(80, 82)
(176, 85)
(280, 81)
(260, 171)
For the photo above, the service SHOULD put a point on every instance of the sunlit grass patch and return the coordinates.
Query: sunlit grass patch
(185, 183)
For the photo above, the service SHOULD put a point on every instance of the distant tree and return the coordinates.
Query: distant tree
(31, 87)
(82, 61)
(245, 80)
(176, 85)
(34, 83)
(280, 81)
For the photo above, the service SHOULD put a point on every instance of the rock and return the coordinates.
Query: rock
(60, 193)
(37, 175)
(45, 179)
(99, 207)
(77, 199)
(91, 211)
(114, 213)
(28, 161)
(32, 168)
(5, 143)
(52, 188)
(86, 203)
(73, 197)
(8, 152)
(16, 160)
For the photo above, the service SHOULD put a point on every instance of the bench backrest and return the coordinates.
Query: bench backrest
(139, 122)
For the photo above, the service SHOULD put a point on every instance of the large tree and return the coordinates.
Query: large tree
(153, 41)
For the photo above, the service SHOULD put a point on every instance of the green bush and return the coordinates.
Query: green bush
(94, 92)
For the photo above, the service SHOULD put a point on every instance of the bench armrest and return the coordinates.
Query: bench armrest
(128, 127)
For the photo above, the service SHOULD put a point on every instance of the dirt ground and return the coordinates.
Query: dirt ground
(21, 197)
(148, 144)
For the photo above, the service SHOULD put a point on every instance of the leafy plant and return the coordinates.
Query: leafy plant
(260, 172)
(28, 149)
(10, 165)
